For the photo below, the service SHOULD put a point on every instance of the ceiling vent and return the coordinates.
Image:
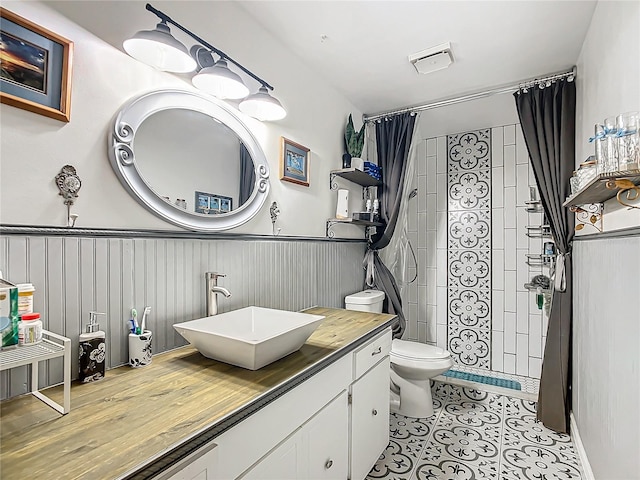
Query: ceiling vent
(432, 59)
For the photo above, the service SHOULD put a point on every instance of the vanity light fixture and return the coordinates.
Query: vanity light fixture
(262, 106)
(161, 50)
(220, 82)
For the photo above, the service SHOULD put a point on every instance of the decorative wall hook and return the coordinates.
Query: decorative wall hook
(69, 185)
(274, 211)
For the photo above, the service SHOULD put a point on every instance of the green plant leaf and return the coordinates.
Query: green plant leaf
(354, 140)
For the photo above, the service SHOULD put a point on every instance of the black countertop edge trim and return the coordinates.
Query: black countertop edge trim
(121, 233)
(623, 232)
(171, 457)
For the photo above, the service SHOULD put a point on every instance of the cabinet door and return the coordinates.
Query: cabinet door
(283, 463)
(200, 465)
(327, 443)
(369, 419)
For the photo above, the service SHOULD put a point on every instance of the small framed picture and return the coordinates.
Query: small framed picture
(212, 204)
(294, 162)
(225, 204)
(202, 202)
(36, 67)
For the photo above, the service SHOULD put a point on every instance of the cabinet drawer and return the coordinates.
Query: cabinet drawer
(371, 353)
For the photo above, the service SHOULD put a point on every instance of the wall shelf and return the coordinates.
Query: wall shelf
(534, 288)
(349, 221)
(33, 355)
(539, 259)
(534, 206)
(353, 175)
(606, 186)
(365, 181)
(538, 231)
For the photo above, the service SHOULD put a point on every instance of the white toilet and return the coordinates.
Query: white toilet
(413, 364)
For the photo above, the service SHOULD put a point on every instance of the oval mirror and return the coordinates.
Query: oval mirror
(189, 159)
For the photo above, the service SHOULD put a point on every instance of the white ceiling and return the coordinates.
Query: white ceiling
(361, 47)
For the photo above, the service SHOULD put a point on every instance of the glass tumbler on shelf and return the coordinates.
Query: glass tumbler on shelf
(628, 141)
(611, 143)
(574, 184)
(600, 148)
(586, 173)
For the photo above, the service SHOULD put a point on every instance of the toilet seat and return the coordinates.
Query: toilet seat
(417, 351)
(416, 355)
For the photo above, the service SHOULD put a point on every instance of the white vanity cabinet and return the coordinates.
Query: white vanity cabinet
(332, 426)
(369, 425)
(318, 450)
(200, 465)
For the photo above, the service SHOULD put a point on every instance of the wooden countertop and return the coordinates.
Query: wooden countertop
(120, 424)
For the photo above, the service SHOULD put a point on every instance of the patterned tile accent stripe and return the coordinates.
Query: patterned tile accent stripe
(469, 248)
(498, 382)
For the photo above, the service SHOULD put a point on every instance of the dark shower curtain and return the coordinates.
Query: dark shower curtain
(393, 139)
(247, 175)
(547, 117)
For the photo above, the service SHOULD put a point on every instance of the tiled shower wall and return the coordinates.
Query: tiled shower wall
(518, 327)
(76, 275)
(469, 248)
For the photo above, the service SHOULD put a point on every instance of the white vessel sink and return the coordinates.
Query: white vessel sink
(250, 337)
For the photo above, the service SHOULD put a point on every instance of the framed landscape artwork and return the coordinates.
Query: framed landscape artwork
(294, 162)
(36, 67)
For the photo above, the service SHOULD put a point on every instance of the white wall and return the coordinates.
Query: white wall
(606, 388)
(34, 147)
(608, 83)
(493, 111)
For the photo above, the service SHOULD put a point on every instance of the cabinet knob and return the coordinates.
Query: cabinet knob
(377, 351)
(374, 412)
(328, 464)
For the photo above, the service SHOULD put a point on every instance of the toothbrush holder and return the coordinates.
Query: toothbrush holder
(140, 349)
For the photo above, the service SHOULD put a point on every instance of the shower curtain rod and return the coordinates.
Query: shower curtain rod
(472, 96)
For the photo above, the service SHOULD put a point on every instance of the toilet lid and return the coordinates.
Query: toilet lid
(415, 350)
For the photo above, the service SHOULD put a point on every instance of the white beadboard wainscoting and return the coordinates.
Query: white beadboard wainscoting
(76, 274)
(606, 352)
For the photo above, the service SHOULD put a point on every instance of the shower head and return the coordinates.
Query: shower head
(413, 193)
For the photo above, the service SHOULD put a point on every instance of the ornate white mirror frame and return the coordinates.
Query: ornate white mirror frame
(123, 160)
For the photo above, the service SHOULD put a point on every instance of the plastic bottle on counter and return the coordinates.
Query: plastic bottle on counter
(93, 351)
(25, 298)
(29, 329)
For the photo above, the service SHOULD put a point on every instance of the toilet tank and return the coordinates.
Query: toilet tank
(365, 301)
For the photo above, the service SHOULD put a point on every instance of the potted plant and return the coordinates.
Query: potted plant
(354, 142)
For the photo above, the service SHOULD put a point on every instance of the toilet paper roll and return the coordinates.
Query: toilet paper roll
(140, 349)
(342, 210)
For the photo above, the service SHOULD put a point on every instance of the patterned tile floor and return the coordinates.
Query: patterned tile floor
(476, 435)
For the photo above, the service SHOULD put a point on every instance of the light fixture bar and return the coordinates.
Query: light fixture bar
(165, 18)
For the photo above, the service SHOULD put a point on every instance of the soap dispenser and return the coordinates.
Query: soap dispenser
(93, 351)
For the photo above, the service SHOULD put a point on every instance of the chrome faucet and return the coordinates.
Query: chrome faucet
(212, 289)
